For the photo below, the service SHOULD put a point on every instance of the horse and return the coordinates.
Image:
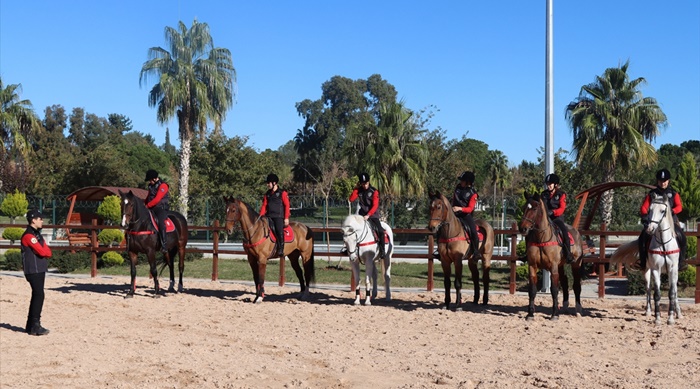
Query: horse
(452, 245)
(141, 233)
(663, 253)
(258, 245)
(545, 252)
(361, 243)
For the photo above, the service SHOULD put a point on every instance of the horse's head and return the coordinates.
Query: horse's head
(439, 211)
(658, 214)
(233, 213)
(129, 209)
(352, 227)
(533, 212)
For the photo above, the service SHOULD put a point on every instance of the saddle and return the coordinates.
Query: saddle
(288, 232)
(560, 237)
(479, 231)
(169, 226)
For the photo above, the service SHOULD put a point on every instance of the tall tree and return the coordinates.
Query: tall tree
(500, 175)
(195, 84)
(687, 184)
(18, 122)
(611, 123)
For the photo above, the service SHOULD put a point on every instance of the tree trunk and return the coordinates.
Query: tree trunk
(185, 151)
(606, 199)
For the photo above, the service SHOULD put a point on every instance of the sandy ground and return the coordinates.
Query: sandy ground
(212, 336)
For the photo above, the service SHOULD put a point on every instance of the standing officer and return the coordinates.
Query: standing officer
(35, 253)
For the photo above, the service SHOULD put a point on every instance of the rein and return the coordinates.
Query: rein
(541, 242)
(247, 234)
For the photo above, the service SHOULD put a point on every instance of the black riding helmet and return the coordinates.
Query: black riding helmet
(272, 178)
(663, 175)
(551, 179)
(363, 177)
(467, 177)
(151, 174)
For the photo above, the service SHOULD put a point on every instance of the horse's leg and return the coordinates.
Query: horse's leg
(133, 257)
(532, 293)
(555, 293)
(387, 278)
(446, 270)
(672, 295)
(576, 271)
(169, 257)
(260, 292)
(181, 265)
(486, 278)
(647, 278)
(657, 295)
(459, 269)
(474, 268)
(370, 275)
(356, 276)
(154, 271)
(253, 263)
(294, 260)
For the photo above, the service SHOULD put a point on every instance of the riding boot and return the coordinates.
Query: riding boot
(683, 247)
(436, 254)
(163, 243)
(382, 250)
(642, 261)
(567, 252)
(37, 329)
(280, 248)
(344, 251)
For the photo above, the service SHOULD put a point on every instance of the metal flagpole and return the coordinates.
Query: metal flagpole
(549, 113)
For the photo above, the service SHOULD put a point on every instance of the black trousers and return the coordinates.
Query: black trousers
(278, 229)
(564, 233)
(36, 281)
(473, 233)
(377, 225)
(161, 214)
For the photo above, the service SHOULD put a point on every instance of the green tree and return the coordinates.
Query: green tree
(611, 123)
(195, 84)
(14, 205)
(54, 156)
(688, 186)
(110, 209)
(18, 123)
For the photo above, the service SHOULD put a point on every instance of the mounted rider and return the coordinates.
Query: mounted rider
(369, 206)
(158, 201)
(464, 201)
(276, 207)
(555, 201)
(663, 188)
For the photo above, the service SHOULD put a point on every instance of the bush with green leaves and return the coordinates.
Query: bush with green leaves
(15, 205)
(692, 247)
(112, 258)
(13, 260)
(13, 234)
(687, 277)
(522, 272)
(109, 237)
(521, 248)
(110, 209)
(66, 262)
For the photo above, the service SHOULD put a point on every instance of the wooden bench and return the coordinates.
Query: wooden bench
(79, 219)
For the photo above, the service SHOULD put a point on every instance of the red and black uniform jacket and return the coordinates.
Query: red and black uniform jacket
(369, 201)
(673, 197)
(35, 252)
(556, 203)
(275, 204)
(158, 195)
(465, 197)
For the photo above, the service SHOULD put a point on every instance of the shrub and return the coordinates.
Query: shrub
(15, 205)
(67, 262)
(111, 258)
(110, 209)
(110, 236)
(13, 260)
(520, 248)
(687, 277)
(692, 247)
(13, 233)
(522, 272)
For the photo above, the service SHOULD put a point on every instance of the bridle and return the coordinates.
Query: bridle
(247, 234)
(359, 238)
(658, 224)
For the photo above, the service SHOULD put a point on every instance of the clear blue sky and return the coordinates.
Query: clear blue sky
(481, 63)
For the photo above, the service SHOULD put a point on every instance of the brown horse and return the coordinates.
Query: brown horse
(453, 243)
(142, 237)
(544, 252)
(258, 246)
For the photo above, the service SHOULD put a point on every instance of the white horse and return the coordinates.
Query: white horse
(663, 257)
(362, 248)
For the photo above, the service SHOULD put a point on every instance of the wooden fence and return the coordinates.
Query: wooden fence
(595, 255)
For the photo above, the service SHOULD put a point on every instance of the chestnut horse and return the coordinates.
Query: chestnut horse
(142, 237)
(453, 243)
(258, 245)
(544, 252)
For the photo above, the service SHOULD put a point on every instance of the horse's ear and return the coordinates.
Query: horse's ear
(227, 199)
(131, 193)
(120, 192)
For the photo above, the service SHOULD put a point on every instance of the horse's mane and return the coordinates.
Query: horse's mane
(139, 203)
(668, 216)
(252, 214)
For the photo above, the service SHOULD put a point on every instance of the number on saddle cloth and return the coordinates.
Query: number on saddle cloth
(288, 232)
(169, 226)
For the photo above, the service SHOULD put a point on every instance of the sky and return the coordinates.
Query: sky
(478, 65)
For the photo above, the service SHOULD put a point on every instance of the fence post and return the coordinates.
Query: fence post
(281, 281)
(93, 249)
(513, 257)
(431, 249)
(601, 265)
(215, 253)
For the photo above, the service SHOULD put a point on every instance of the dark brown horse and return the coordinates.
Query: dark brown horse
(453, 243)
(544, 252)
(142, 237)
(258, 245)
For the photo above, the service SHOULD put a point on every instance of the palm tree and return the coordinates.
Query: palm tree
(17, 123)
(500, 174)
(196, 84)
(392, 152)
(611, 123)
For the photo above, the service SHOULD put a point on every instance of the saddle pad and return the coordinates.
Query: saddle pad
(479, 233)
(169, 226)
(288, 235)
(571, 238)
(386, 237)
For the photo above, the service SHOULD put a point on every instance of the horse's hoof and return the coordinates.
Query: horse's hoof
(445, 307)
(180, 289)
(565, 305)
(529, 318)
(554, 318)
(459, 309)
(129, 296)
(368, 302)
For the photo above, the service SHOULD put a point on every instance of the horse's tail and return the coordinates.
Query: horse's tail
(626, 254)
(310, 266)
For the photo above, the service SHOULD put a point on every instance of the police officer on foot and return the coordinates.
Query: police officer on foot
(369, 207)
(35, 254)
(158, 201)
(663, 188)
(555, 200)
